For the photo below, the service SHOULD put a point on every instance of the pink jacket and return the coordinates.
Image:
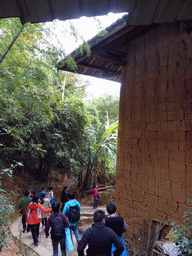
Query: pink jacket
(95, 192)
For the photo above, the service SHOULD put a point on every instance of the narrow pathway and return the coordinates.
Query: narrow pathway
(45, 245)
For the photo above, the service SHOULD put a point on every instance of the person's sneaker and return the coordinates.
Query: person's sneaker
(37, 244)
(23, 230)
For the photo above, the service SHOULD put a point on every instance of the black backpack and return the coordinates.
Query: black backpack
(58, 228)
(73, 214)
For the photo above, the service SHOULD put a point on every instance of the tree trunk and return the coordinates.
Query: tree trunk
(88, 180)
(80, 179)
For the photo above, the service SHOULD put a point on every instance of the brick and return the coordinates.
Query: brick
(172, 208)
(164, 205)
(182, 209)
(173, 156)
(151, 200)
(138, 195)
(172, 146)
(185, 125)
(178, 194)
(178, 135)
(164, 126)
(165, 189)
(182, 146)
(174, 126)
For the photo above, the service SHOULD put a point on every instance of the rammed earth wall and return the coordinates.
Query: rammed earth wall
(154, 159)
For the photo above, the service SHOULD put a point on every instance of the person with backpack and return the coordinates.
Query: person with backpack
(72, 210)
(33, 217)
(118, 225)
(58, 222)
(64, 197)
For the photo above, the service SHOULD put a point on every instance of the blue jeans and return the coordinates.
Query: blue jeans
(35, 232)
(76, 232)
(55, 247)
(95, 203)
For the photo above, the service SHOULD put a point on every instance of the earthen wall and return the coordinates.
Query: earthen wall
(154, 159)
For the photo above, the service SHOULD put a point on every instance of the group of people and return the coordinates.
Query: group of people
(46, 198)
(104, 238)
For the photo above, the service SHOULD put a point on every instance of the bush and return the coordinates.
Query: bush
(5, 210)
(184, 233)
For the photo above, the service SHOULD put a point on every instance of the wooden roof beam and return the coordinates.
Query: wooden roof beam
(99, 69)
(114, 59)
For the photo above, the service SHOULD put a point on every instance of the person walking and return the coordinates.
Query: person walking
(95, 196)
(33, 217)
(46, 204)
(50, 195)
(43, 191)
(64, 197)
(25, 201)
(72, 210)
(117, 224)
(58, 222)
(99, 238)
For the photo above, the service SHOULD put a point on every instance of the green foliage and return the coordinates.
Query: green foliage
(85, 47)
(5, 207)
(44, 122)
(184, 233)
(5, 210)
(102, 33)
(69, 61)
(37, 126)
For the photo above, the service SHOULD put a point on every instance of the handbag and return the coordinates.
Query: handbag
(68, 240)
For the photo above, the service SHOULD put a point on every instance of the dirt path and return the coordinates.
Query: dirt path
(45, 245)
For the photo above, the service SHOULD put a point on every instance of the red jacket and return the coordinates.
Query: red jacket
(33, 214)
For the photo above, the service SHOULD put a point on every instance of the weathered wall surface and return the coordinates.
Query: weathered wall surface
(154, 159)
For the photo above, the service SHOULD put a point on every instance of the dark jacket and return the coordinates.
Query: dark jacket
(99, 239)
(48, 224)
(63, 197)
(116, 224)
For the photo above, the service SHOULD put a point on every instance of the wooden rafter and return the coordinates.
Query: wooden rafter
(99, 69)
(114, 59)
